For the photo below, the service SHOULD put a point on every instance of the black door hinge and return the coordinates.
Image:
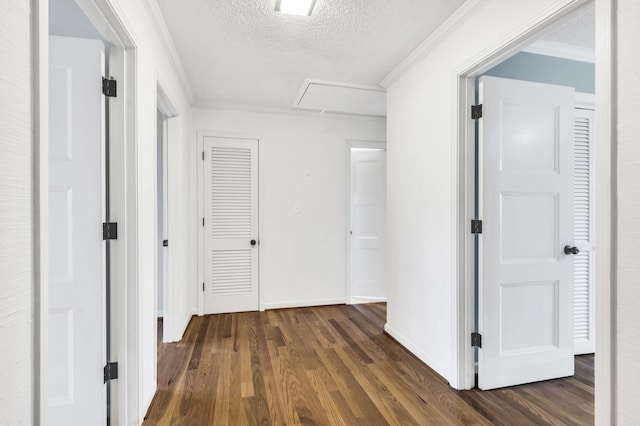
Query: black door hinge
(476, 112)
(203, 221)
(110, 231)
(110, 371)
(476, 226)
(476, 340)
(203, 287)
(109, 87)
(202, 155)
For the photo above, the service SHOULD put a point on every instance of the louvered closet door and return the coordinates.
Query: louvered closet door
(230, 225)
(583, 228)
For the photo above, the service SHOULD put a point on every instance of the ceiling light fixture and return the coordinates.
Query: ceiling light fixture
(295, 7)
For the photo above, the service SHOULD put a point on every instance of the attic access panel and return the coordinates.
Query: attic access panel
(342, 98)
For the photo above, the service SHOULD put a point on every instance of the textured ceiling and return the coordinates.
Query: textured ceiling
(580, 30)
(243, 52)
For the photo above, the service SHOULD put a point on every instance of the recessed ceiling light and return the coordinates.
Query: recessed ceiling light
(295, 7)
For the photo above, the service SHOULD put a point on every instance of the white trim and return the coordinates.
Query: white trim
(356, 300)
(432, 363)
(467, 9)
(305, 303)
(562, 50)
(585, 100)
(160, 25)
(200, 135)
(219, 106)
(606, 137)
(353, 143)
(40, 142)
(463, 82)
(186, 323)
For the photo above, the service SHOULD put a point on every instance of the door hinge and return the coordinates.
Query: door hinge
(476, 112)
(476, 340)
(203, 221)
(109, 87)
(110, 231)
(476, 226)
(202, 155)
(203, 287)
(110, 371)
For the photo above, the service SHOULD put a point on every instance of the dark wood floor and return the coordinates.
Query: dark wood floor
(334, 365)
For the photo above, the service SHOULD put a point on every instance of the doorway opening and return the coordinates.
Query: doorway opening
(538, 62)
(84, 126)
(366, 222)
(162, 199)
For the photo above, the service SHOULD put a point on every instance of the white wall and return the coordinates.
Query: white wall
(154, 63)
(304, 160)
(16, 218)
(627, 337)
(421, 180)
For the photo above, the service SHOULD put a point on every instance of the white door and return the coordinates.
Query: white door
(526, 279)
(76, 249)
(230, 225)
(368, 224)
(583, 304)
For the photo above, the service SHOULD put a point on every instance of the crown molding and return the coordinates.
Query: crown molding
(562, 50)
(161, 28)
(218, 106)
(458, 17)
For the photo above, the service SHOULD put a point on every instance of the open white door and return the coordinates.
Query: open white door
(76, 249)
(526, 279)
(230, 223)
(368, 225)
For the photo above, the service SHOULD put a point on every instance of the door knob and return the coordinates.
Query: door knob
(253, 242)
(571, 250)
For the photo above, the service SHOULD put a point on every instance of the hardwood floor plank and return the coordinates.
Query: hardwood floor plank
(334, 365)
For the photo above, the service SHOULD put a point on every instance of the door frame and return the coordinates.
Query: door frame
(201, 134)
(123, 170)
(463, 376)
(354, 143)
(170, 140)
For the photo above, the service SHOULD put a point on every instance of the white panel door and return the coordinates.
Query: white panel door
(368, 224)
(230, 225)
(76, 249)
(526, 279)
(583, 305)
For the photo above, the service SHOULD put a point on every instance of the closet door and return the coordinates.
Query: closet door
(584, 307)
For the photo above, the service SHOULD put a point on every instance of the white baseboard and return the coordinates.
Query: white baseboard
(184, 327)
(437, 367)
(305, 303)
(355, 300)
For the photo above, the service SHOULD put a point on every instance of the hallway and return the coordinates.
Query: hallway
(334, 365)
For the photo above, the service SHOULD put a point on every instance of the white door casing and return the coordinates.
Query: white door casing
(77, 331)
(526, 203)
(368, 225)
(230, 215)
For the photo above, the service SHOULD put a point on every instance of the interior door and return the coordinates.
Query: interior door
(584, 288)
(230, 225)
(368, 224)
(76, 250)
(526, 279)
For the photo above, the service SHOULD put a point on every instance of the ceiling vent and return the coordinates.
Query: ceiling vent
(325, 96)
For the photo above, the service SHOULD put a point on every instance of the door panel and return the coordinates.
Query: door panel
(368, 224)
(526, 279)
(76, 250)
(231, 223)
(584, 235)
